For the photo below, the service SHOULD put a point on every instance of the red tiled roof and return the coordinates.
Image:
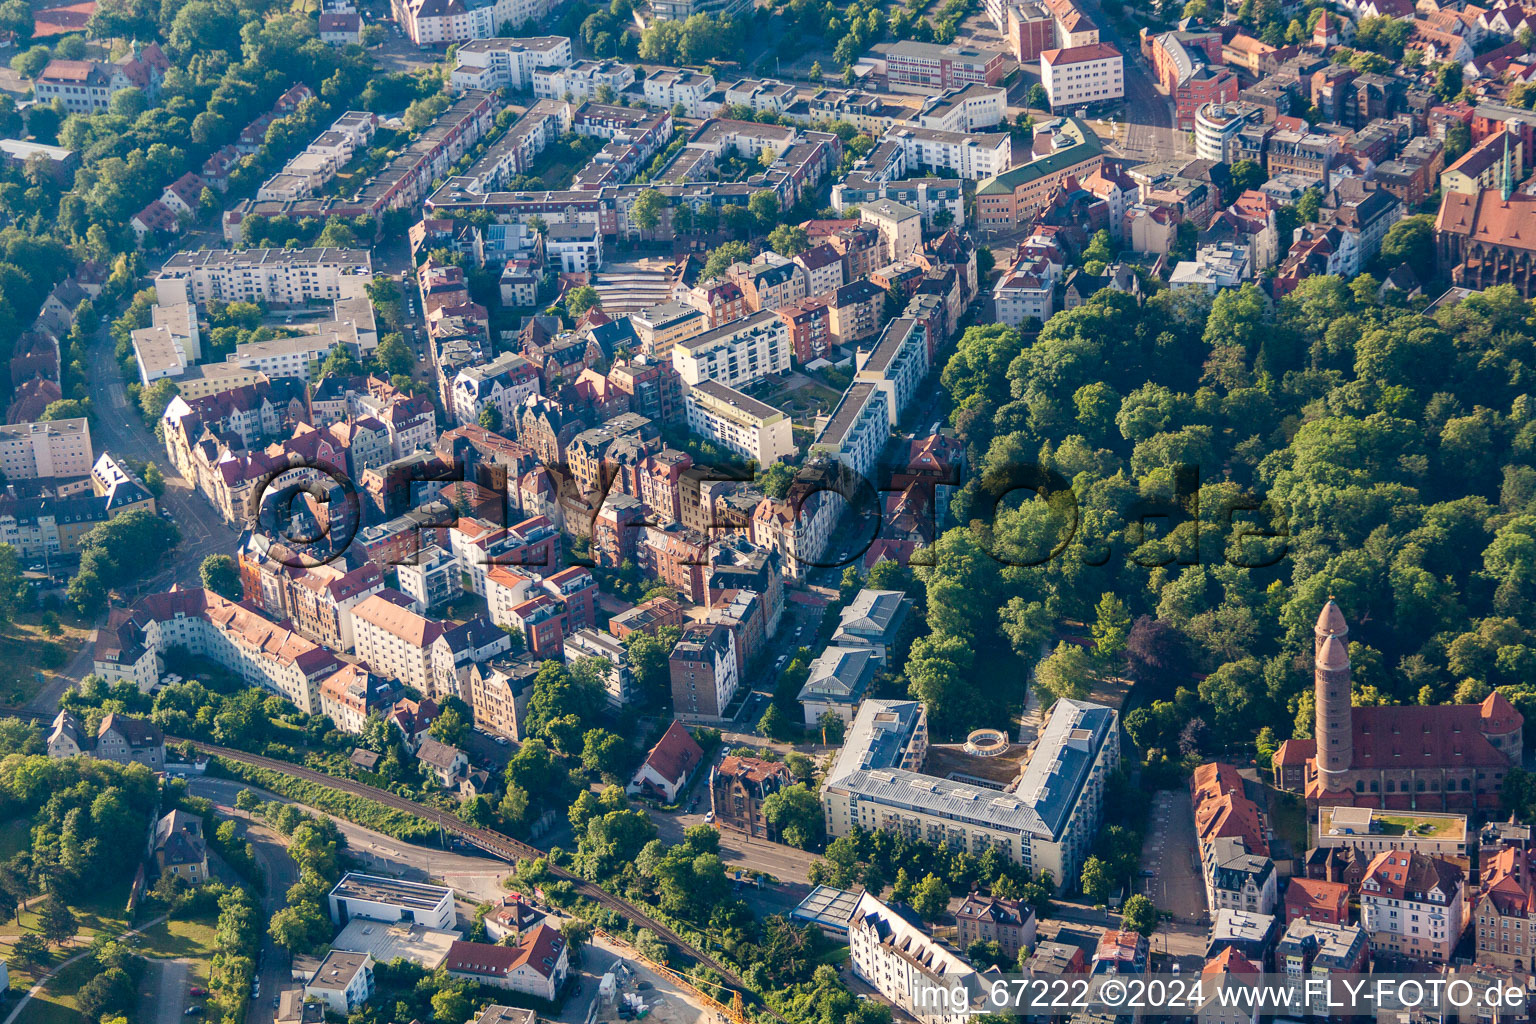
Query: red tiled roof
(675, 754)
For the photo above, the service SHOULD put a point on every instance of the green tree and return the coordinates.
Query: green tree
(764, 207)
(220, 575)
(603, 751)
(930, 898)
(1111, 627)
(29, 953)
(795, 812)
(56, 922)
(582, 298)
(1096, 881)
(647, 209)
(1411, 242)
(789, 240)
(393, 355)
(722, 256)
(1139, 914)
(1246, 175)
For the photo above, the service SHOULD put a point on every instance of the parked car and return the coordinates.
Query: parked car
(199, 991)
(709, 817)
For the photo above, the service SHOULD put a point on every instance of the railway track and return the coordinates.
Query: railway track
(495, 843)
(498, 845)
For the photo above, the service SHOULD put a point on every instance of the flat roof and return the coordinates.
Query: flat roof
(720, 394)
(385, 942)
(377, 889)
(827, 906)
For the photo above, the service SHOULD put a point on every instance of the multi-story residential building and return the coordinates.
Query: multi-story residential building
(352, 693)
(433, 578)
(1316, 899)
(1316, 950)
(810, 327)
(703, 672)
(582, 80)
(670, 88)
(1413, 905)
(856, 311)
(682, 10)
(897, 365)
(935, 67)
(857, 430)
(823, 266)
(502, 384)
(118, 738)
(1504, 917)
(342, 983)
(618, 680)
(1218, 127)
(283, 277)
(739, 422)
(445, 22)
(505, 63)
(900, 227)
(661, 327)
(1237, 879)
(1485, 165)
(1009, 923)
(737, 788)
(970, 155)
(1046, 822)
(541, 620)
(394, 640)
(890, 952)
(1082, 75)
(770, 281)
(263, 653)
(735, 353)
(498, 694)
(53, 448)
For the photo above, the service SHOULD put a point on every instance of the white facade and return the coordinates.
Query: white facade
(908, 966)
(971, 109)
(618, 681)
(342, 982)
(735, 353)
(741, 423)
(506, 63)
(667, 88)
(29, 451)
(434, 22)
(377, 898)
(581, 80)
(286, 277)
(964, 154)
(858, 429)
(395, 641)
(898, 364)
(1082, 75)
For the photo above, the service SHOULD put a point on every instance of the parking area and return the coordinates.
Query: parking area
(1170, 874)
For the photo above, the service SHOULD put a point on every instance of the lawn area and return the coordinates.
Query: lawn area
(805, 402)
(26, 651)
(1437, 826)
(103, 910)
(181, 937)
(55, 1004)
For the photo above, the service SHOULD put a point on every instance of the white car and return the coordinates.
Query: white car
(709, 817)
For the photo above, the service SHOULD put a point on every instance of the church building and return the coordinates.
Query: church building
(1404, 757)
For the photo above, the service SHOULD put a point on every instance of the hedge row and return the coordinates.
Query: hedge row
(356, 809)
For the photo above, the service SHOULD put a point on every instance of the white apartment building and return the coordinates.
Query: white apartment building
(969, 109)
(618, 680)
(581, 80)
(285, 357)
(857, 431)
(502, 384)
(282, 277)
(741, 423)
(760, 95)
(394, 640)
(911, 968)
(1413, 905)
(1082, 75)
(1027, 290)
(502, 62)
(964, 154)
(1047, 823)
(442, 22)
(666, 88)
(342, 983)
(506, 587)
(735, 353)
(900, 227)
(897, 365)
(262, 652)
(31, 451)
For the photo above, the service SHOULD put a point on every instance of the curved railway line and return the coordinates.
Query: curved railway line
(495, 843)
